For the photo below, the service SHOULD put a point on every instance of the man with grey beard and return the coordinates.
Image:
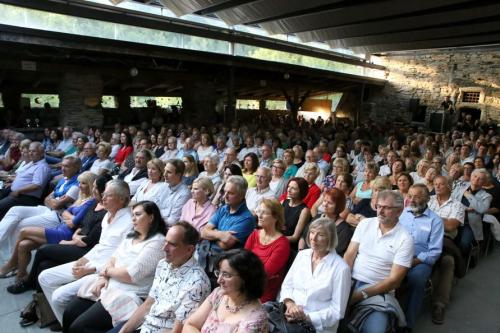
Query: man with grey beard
(427, 231)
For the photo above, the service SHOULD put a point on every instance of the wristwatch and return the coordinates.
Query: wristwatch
(364, 293)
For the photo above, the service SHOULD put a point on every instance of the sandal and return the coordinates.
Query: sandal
(9, 273)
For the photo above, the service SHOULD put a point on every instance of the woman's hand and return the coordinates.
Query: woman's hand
(294, 312)
(101, 283)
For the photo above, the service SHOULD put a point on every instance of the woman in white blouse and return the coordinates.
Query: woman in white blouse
(316, 288)
(153, 189)
(113, 295)
(102, 165)
(205, 148)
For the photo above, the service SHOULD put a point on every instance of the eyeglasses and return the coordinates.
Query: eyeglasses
(277, 167)
(380, 207)
(224, 275)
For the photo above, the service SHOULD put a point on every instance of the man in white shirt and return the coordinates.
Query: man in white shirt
(262, 191)
(249, 148)
(61, 283)
(452, 213)
(171, 151)
(380, 254)
(179, 287)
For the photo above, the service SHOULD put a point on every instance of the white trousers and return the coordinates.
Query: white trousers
(59, 286)
(19, 217)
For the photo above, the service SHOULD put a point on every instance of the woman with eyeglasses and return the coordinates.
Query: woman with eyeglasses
(234, 306)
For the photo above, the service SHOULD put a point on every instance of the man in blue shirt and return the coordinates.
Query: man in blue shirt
(427, 231)
(231, 224)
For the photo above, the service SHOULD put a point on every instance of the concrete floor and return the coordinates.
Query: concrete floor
(474, 307)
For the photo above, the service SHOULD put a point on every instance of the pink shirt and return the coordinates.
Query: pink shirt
(200, 218)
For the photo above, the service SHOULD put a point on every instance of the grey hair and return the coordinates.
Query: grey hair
(240, 183)
(329, 226)
(37, 145)
(267, 170)
(19, 136)
(481, 171)
(423, 188)
(74, 160)
(120, 189)
(214, 157)
(395, 196)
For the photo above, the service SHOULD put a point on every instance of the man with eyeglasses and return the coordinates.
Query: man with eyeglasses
(262, 191)
(427, 231)
(379, 255)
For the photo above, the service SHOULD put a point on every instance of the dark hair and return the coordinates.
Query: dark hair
(255, 162)
(235, 169)
(191, 235)
(101, 182)
(402, 162)
(407, 175)
(303, 186)
(158, 225)
(250, 270)
(338, 197)
(128, 142)
(179, 166)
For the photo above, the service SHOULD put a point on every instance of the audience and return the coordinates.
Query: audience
(443, 229)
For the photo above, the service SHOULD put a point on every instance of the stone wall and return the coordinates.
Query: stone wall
(80, 100)
(430, 76)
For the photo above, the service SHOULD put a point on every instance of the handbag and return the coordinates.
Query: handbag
(44, 312)
(278, 323)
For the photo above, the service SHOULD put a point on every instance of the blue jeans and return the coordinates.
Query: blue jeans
(466, 239)
(416, 280)
(377, 321)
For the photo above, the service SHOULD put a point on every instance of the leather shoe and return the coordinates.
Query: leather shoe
(19, 287)
(438, 315)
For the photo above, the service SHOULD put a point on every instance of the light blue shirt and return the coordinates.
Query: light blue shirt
(427, 231)
(172, 201)
(35, 173)
(181, 153)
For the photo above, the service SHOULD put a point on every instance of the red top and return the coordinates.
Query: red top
(274, 256)
(122, 154)
(312, 195)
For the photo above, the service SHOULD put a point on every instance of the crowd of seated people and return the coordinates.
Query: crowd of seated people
(180, 228)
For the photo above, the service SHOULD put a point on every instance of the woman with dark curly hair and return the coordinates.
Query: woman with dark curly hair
(234, 306)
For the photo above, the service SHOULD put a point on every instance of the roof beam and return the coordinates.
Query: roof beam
(481, 39)
(356, 14)
(419, 35)
(453, 17)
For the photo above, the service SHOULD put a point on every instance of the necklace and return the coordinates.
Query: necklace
(236, 308)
